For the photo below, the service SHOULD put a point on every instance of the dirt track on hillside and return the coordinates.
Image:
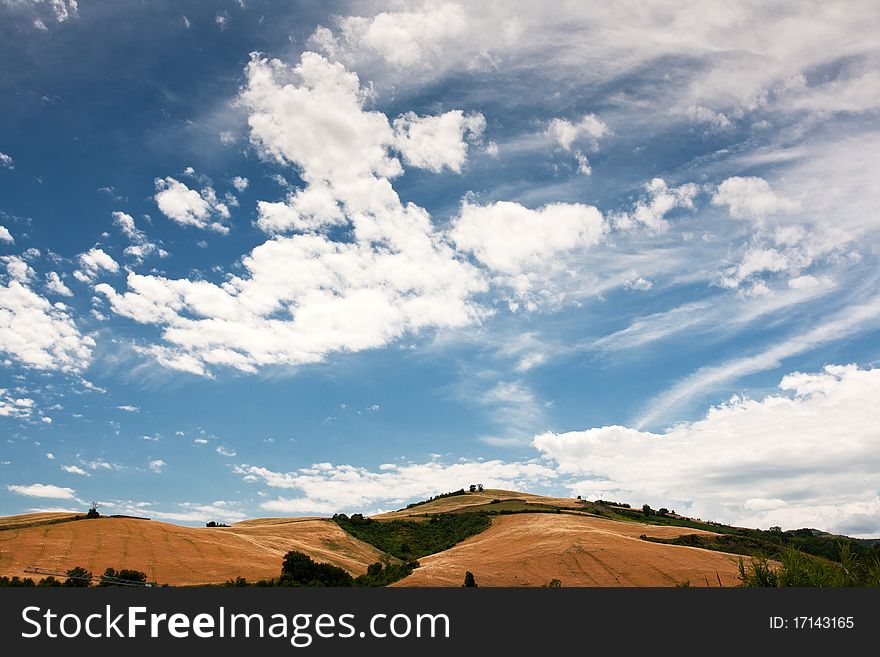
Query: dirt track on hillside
(532, 549)
(171, 554)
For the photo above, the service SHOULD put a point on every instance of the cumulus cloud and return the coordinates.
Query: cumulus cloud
(55, 285)
(510, 238)
(240, 183)
(93, 262)
(37, 333)
(6, 161)
(750, 198)
(589, 130)
(403, 39)
(43, 490)
(191, 208)
(73, 469)
(5, 235)
(157, 465)
(435, 142)
(808, 458)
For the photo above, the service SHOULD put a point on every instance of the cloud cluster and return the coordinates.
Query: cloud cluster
(140, 246)
(16, 407)
(306, 295)
(35, 332)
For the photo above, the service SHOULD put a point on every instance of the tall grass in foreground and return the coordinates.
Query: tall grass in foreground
(794, 568)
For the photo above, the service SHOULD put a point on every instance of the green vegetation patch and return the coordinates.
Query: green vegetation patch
(409, 540)
(795, 568)
(454, 493)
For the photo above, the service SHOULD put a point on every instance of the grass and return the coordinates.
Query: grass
(795, 568)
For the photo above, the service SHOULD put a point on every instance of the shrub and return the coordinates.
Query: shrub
(469, 581)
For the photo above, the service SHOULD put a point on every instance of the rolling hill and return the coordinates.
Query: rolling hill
(532, 540)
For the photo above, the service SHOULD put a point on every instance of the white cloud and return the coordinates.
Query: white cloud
(640, 284)
(589, 130)
(225, 451)
(94, 261)
(10, 406)
(306, 210)
(57, 10)
(128, 408)
(190, 208)
(750, 198)
(717, 121)
(661, 199)
(72, 469)
(17, 268)
(55, 285)
(240, 183)
(43, 490)
(50, 456)
(815, 450)
(583, 163)
(39, 334)
(404, 39)
(5, 235)
(435, 142)
(6, 161)
(222, 20)
(140, 246)
(510, 238)
(157, 465)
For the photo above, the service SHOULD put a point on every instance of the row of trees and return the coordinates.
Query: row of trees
(81, 578)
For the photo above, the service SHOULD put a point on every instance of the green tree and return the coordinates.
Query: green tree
(133, 576)
(79, 577)
(647, 510)
(298, 569)
(469, 581)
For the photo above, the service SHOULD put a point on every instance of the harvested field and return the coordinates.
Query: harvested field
(171, 554)
(479, 501)
(35, 519)
(579, 550)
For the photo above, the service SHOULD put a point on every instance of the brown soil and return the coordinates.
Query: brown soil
(171, 554)
(533, 549)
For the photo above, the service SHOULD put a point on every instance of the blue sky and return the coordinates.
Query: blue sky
(265, 259)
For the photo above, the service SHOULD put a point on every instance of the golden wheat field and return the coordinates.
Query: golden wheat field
(171, 554)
